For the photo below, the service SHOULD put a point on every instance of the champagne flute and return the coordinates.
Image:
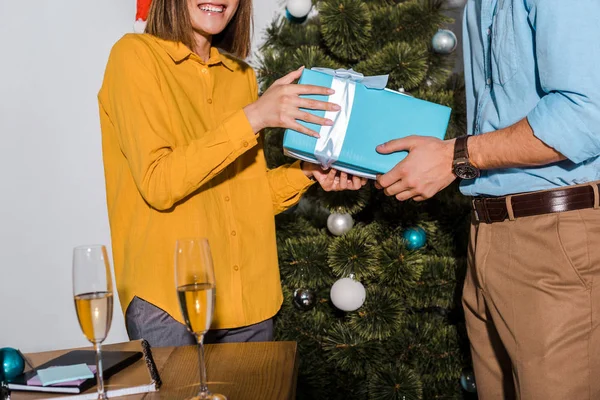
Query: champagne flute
(195, 282)
(92, 290)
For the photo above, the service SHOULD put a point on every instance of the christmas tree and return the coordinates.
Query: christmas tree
(406, 260)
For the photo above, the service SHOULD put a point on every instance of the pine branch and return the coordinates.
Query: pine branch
(414, 21)
(303, 262)
(283, 34)
(436, 348)
(395, 383)
(354, 253)
(439, 69)
(347, 351)
(272, 65)
(405, 63)
(458, 122)
(350, 202)
(290, 225)
(400, 268)
(401, 214)
(346, 27)
(436, 288)
(273, 141)
(312, 56)
(380, 317)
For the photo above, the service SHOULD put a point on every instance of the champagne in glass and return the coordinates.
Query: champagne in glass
(92, 291)
(94, 311)
(197, 306)
(195, 282)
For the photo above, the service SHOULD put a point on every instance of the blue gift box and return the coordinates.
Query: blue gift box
(375, 117)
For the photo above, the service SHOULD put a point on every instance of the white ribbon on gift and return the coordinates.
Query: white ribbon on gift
(329, 145)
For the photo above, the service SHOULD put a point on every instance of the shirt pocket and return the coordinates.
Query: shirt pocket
(503, 46)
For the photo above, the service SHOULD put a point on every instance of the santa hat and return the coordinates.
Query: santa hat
(141, 15)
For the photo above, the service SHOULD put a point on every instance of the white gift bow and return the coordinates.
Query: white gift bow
(329, 144)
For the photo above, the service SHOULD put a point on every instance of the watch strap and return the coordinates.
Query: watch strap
(460, 147)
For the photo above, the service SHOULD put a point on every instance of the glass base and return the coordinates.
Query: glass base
(210, 396)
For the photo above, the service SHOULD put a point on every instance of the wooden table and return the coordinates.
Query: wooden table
(241, 371)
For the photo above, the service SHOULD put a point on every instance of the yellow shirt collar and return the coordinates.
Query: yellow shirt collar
(179, 52)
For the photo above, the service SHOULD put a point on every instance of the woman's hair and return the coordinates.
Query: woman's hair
(170, 20)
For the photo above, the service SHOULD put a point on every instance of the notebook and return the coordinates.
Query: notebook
(132, 372)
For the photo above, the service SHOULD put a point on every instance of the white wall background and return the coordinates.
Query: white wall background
(52, 198)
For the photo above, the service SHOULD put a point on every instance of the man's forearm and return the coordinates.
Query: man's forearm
(515, 146)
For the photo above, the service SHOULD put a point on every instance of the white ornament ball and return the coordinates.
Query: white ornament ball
(339, 224)
(298, 8)
(444, 41)
(348, 294)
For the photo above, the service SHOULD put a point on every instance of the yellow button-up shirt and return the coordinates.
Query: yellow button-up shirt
(181, 160)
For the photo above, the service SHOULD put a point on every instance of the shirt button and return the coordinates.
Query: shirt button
(204, 70)
(245, 143)
(233, 233)
(209, 101)
(489, 81)
(235, 268)
(226, 198)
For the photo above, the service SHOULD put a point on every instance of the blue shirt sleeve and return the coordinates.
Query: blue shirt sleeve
(567, 39)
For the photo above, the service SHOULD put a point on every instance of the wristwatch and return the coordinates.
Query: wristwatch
(461, 166)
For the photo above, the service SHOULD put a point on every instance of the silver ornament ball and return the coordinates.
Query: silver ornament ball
(444, 42)
(347, 294)
(305, 299)
(339, 224)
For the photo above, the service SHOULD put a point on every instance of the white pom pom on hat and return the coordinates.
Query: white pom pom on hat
(141, 15)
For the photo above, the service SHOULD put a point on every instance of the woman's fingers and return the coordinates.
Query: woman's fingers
(308, 117)
(357, 182)
(289, 78)
(313, 89)
(301, 128)
(317, 105)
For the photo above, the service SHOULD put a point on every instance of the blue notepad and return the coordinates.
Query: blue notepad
(51, 376)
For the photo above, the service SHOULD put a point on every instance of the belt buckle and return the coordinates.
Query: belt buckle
(475, 212)
(480, 211)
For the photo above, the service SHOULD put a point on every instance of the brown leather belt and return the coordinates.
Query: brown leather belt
(494, 209)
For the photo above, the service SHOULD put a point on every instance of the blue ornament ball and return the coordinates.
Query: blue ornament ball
(415, 238)
(444, 41)
(11, 364)
(467, 381)
(293, 19)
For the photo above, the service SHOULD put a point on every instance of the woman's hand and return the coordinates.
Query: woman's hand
(279, 106)
(332, 180)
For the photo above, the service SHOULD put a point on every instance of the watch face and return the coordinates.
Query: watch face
(466, 171)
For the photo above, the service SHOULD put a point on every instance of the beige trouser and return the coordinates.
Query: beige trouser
(532, 306)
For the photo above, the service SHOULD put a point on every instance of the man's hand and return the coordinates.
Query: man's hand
(426, 170)
(332, 180)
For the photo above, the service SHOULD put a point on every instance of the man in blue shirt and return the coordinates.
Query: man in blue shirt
(532, 165)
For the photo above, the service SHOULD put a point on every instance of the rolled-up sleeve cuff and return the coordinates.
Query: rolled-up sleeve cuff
(239, 131)
(570, 138)
(296, 179)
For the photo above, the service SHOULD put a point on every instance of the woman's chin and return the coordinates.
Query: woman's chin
(209, 29)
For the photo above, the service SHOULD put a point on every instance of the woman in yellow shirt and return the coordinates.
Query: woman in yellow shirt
(183, 158)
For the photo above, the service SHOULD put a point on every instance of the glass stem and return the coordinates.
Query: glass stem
(99, 375)
(203, 392)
